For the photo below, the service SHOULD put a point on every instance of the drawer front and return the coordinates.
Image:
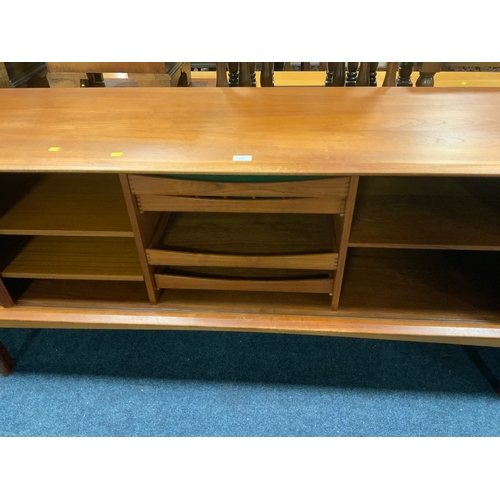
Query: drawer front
(318, 196)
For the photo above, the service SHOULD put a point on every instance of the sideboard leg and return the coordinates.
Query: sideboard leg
(7, 363)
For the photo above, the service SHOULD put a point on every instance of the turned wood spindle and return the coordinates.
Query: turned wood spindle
(335, 74)
(426, 74)
(404, 78)
(352, 70)
(253, 76)
(373, 74)
(329, 74)
(245, 78)
(233, 74)
(267, 75)
(363, 79)
(390, 75)
(220, 71)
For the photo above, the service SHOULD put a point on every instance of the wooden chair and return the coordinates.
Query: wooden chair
(358, 74)
(244, 75)
(235, 74)
(258, 222)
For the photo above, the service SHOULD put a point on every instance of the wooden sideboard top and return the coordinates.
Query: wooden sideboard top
(320, 131)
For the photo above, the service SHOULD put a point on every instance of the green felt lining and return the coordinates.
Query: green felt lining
(244, 178)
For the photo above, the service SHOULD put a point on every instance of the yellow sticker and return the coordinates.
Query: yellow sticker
(116, 154)
(54, 149)
(464, 83)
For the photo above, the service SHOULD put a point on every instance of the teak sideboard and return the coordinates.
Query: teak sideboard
(364, 212)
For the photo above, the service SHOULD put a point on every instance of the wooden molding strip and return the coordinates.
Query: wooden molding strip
(295, 205)
(319, 261)
(335, 186)
(484, 333)
(259, 285)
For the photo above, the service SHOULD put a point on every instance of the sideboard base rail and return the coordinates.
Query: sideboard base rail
(486, 333)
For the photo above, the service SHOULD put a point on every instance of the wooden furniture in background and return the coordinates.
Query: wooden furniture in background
(234, 74)
(358, 74)
(141, 74)
(338, 74)
(427, 71)
(87, 197)
(21, 74)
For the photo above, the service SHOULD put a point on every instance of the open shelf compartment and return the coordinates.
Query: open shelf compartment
(427, 212)
(438, 284)
(63, 205)
(58, 257)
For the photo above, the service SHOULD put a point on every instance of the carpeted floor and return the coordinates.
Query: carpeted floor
(144, 383)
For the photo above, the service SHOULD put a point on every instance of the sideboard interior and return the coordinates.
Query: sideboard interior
(418, 248)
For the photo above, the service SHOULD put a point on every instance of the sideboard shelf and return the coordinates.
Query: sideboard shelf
(73, 257)
(438, 284)
(427, 212)
(63, 205)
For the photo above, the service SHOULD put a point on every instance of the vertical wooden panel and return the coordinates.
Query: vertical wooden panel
(143, 227)
(5, 298)
(344, 241)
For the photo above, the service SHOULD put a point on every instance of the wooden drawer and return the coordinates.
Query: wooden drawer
(251, 251)
(315, 196)
(246, 233)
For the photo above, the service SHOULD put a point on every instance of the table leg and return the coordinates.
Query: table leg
(427, 72)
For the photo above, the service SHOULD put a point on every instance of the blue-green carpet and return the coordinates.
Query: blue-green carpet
(172, 383)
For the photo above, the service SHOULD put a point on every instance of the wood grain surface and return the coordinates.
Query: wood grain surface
(67, 205)
(425, 134)
(108, 67)
(303, 131)
(95, 258)
(433, 213)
